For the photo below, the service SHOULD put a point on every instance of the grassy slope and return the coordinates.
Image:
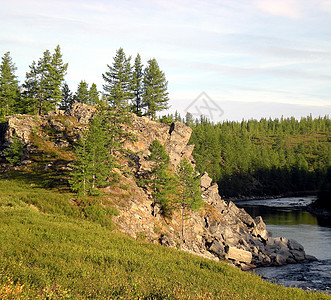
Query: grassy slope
(49, 251)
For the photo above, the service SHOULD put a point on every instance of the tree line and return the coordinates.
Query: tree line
(266, 157)
(133, 87)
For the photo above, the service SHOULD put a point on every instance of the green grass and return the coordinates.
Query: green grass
(49, 251)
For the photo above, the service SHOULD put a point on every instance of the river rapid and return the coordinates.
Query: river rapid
(287, 217)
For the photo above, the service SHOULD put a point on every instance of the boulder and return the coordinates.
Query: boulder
(260, 229)
(246, 218)
(205, 181)
(82, 112)
(294, 245)
(298, 255)
(22, 126)
(216, 248)
(236, 254)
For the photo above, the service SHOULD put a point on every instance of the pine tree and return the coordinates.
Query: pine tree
(137, 85)
(190, 189)
(93, 95)
(155, 95)
(9, 89)
(82, 94)
(67, 98)
(118, 81)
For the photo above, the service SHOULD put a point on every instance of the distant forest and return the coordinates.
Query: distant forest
(262, 158)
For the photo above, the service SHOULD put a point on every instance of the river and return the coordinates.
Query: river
(287, 217)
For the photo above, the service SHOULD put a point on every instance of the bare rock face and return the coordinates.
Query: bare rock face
(22, 126)
(174, 138)
(82, 112)
(205, 181)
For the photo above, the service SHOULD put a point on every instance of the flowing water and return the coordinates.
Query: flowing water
(287, 217)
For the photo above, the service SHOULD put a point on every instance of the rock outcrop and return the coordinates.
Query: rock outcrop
(219, 231)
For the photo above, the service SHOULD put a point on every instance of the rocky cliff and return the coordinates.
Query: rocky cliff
(219, 230)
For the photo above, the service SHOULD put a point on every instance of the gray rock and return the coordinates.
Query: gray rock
(311, 258)
(205, 181)
(216, 248)
(298, 255)
(294, 245)
(260, 229)
(236, 254)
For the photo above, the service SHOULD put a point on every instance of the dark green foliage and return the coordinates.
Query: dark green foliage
(93, 95)
(100, 160)
(94, 161)
(9, 88)
(190, 191)
(266, 157)
(155, 94)
(118, 81)
(161, 181)
(137, 87)
(43, 83)
(80, 177)
(14, 153)
(82, 94)
(67, 98)
(324, 193)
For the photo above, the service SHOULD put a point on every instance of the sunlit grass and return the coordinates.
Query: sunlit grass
(49, 251)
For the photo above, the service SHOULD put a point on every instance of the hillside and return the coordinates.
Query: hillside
(266, 157)
(56, 243)
(48, 251)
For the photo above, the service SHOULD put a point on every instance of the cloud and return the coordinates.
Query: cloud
(283, 8)
(294, 9)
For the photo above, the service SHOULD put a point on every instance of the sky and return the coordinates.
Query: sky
(226, 59)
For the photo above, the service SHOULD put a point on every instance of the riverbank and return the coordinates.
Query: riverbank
(290, 217)
(263, 197)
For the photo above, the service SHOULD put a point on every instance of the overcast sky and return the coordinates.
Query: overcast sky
(251, 58)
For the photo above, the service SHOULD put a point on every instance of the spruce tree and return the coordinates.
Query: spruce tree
(93, 95)
(43, 82)
(57, 71)
(100, 160)
(161, 181)
(118, 81)
(137, 85)
(93, 160)
(67, 98)
(80, 177)
(82, 94)
(155, 94)
(190, 190)
(30, 92)
(9, 88)
(14, 153)
(118, 93)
